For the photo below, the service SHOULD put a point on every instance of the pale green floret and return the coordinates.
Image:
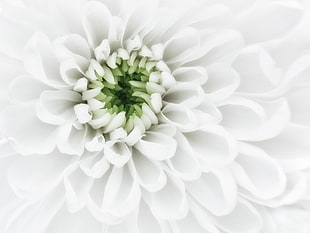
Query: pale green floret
(124, 88)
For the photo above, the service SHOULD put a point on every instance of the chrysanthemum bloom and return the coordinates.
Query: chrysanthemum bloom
(155, 116)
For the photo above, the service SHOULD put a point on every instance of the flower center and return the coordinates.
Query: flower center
(124, 90)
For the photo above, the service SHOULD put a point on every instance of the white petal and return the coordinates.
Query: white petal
(77, 186)
(28, 133)
(72, 46)
(57, 107)
(258, 173)
(117, 153)
(96, 20)
(156, 146)
(79, 222)
(47, 172)
(248, 120)
(19, 90)
(122, 192)
(214, 147)
(72, 71)
(257, 70)
(269, 21)
(165, 207)
(116, 122)
(184, 162)
(222, 81)
(146, 220)
(177, 47)
(41, 62)
(300, 109)
(82, 113)
(96, 143)
(148, 172)
(72, 140)
(217, 192)
(180, 116)
(290, 148)
(195, 74)
(95, 165)
(243, 219)
(189, 94)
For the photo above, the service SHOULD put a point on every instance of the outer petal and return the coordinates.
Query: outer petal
(254, 121)
(170, 202)
(28, 133)
(217, 192)
(266, 21)
(213, 147)
(243, 219)
(258, 173)
(47, 172)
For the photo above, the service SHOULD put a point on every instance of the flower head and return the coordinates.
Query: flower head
(135, 116)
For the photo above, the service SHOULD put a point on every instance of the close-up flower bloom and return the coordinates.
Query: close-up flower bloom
(154, 116)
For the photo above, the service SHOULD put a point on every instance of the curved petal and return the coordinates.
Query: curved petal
(122, 192)
(72, 46)
(268, 21)
(216, 191)
(156, 146)
(18, 89)
(222, 82)
(189, 94)
(170, 202)
(196, 74)
(184, 163)
(243, 219)
(254, 121)
(57, 107)
(290, 148)
(149, 173)
(41, 62)
(77, 185)
(96, 20)
(180, 116)
(72, 140)
(257, 70)
(80, 222)
(47, 172)
(94, 165)
(117, 153)
(258, 173)
(178, 46)
(213, 147)
(28, 133)
(300, 109)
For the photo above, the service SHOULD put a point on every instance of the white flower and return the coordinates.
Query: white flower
(154, 116)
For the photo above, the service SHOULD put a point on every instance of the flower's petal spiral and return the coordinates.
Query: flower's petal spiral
(158, 116)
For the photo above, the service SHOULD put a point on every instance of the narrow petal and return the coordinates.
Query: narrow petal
(184, 163)
(213, 147)
(117, 153)
(47, 172)
(254, 121)
(156, 146)
(248, 171)
(57, 107)
(243, 219)
(96, 20)
(268, 21)
(77, 186)
(217, 192)
(148, 172)
(26, 130)
(18, 89)
(170, 202)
